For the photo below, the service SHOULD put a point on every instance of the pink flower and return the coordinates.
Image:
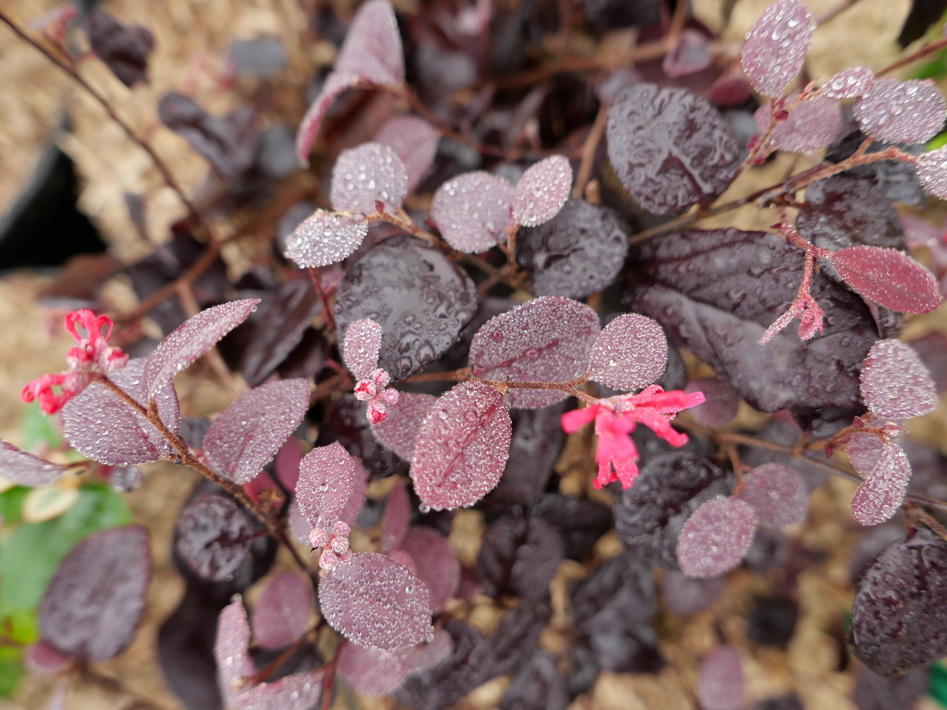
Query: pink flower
(92, 356)
(372, 390)
(616, 417)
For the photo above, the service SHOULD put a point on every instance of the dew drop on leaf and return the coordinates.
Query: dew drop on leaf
(895, 384)
(715, 538)
(399, 430)
(327, 476)
(472, 211)
(778, 494)
(812, 125)
(360, 347)
(230, 649)
(901, 111)
(932, 172)
(366, 175)
(414, 140)
(325, 238)
(776, 46)
(629, 354)
(849, 84)
(884, 487)
(542, 191)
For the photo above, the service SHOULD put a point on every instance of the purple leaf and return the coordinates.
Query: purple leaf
(375, 602)
(472, 211)
(812, 125)
(932, 172)
(123, 48)
(462, 447)
(776, 46)
(301, 691)
(192, 339)
(360, 347)
(542, 191)
(629, 354)
(778, 494)
(414, 141)
(326, 480)
(722, 401)
(519, 556)
(213, 536)
(885, 485)
(670, 148)
(25, 469)
(397, 518)
(715, 538)
(721, 683)
(217, 140)
(691, 55)
(325, 238)
(282, 614)
(333, 87)
(895, 384)
(842, 212)
(901, 111)
(685, 595)
(849, 84)
(230, 650)
(434, 562)
(374, 672)
(368, 175)
(887, 277)
(399, 431)
(247, 434)
(548, 339)
(96, 599)
(105, 428)
(372, 49)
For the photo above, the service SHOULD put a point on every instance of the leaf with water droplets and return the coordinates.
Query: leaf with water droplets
(842, 212)
(101, 425)
(630, 353)
(374, 672)
(932, 172)
(25, 469)
(335, 84)
(721, 683)
(434, 562)
(300, 691)
(812, 125)
(886, 478)
(472, 211)
(776, 46)
(247, 434)
(325, 238)
(462, 447)
(192, 339)
(542, 191)
(96, 599)
(327, 477)
(895, 384)
(548, 339)
(901, 111)
(375, 602)
(715, 538)
(230, 650)
(399, 431)
(849, 84)
(670, 148)
(372, 48)
(282, 614)
(360, 347)
(213, 536)
(397, 518)
(778, 494)
(414, 140)
(368, 177)
(887, 277)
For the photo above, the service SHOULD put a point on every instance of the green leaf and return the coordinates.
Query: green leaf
(38, 428)
(30, 555)
(11, 670)
(11, 503)
(937, 682)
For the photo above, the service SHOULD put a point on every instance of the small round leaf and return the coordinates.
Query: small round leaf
(542, 191)
(368, 175)
(776, 46)
(629, 354)
(472, 211)
(715, 538)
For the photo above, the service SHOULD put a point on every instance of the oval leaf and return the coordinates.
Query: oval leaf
(300, 691)
(932, 172)
(360, 347)
(778, 494)
(230, 650)
(213, 536)
(397, 518)
(370, 178)
(901, 111)
(472, 211)
(462, 447)
(399, 431)
(434, 562)
(895, 384)
(721, 683)
(372, 49)
(96, 599)
(334, 86)
(776, 46)
(376, 603)
(887, 277)
(327, 477)
(721, 401)
(849, 84)
(282, 614)
(542, 191)
(715, 538)
(325, 238)
(630, 353)
(414, 140)
(812, 125)
(25, 469)
(886, 483)
(247, 434)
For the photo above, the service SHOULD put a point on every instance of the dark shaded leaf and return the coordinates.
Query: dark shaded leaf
(213, 138)
(681, 594)
(923, 14)
(282, 614)
(213, 536)
(772, 621)
(25, 469)
(619, 595)
(539, 685)
(842, 212)
(123, 48)
(877, 692)
(579, 522)
(777, 493)
(519, 556)
(897, 179)
(515, 637)
(261, 57)
(347, 424)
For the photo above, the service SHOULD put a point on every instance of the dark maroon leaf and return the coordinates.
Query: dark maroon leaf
(618, 594)
(576, 253)
(419, 297)
(842, 212)
(888, 277)
(282, 614)
(96, 599)
(123, 48)
(897, 179)
(515, 637)
(681, 594)
(25, 469)
(706, 288)
(721, 404)
(772, 620)
(901, 111)
(930, 348)
(262, 57)
(721, 683)
(462, 447)
(579, 522)
(377, 603)
(542, 191)
(213, 536)
(649, 515)
(539, 685)
(691, 55)
(715, 537)
(877, 692)
(776, 46)
(670, 148)
(899, 616)
(211, 137)
(777, 493)
(519, 556)
(609, 14)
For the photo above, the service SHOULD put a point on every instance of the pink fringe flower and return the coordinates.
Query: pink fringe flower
(372, 390)
(616, 417)
(92, 356)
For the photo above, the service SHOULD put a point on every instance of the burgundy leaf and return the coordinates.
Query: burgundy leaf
(685, 595)
(25, 469)
(812, 125)
(96, 599)
(301, 527)
(472, 211)
(213, 138)
(247, 434)
(842, 212)
(849, 84)
(333, 87)
(376, 603)
(399, 431)
(886, 476)
(213, 536)
(414, 141)
(462, 447)
(722, 401)
(548, 339)
(123, 48)
(300, 691)
(282, 614)
(901, 111)
(519, 556)
(368, 177)
(895, 384)
(101, 425)
(434, 563)
(776, 46)
(932, 172)
(629, 354)
(721, 683)
(887, 277)
(778, 494)
(192, 339)
(715, 538)
(374, 672)
(691, 55)
(230, 650)
(397, 518)
(326, 480)
(325, 238)
(372, 49)
(542, 191)
(670, 149)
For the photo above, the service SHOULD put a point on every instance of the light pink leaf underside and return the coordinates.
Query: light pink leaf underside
(397, 518)
(434, 562)
(542, 191)
(778, 494)
(932, 172)
(399, 431)
(721, 683)
(849, 83)
(333, 87)
(374, 672)
(472, 211)
(230, 650)
(715, 537)
(360, 347)
(884, 487)
(887, 277)
(325, 238)
(776, 46)
(372, 48)
(282, 614)
(26, 469)
(630, 353)
(414, 140)
(901, 111)
(895, 384)
(366, 175)
(326, 481)
(300, 691)
(812, 125)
